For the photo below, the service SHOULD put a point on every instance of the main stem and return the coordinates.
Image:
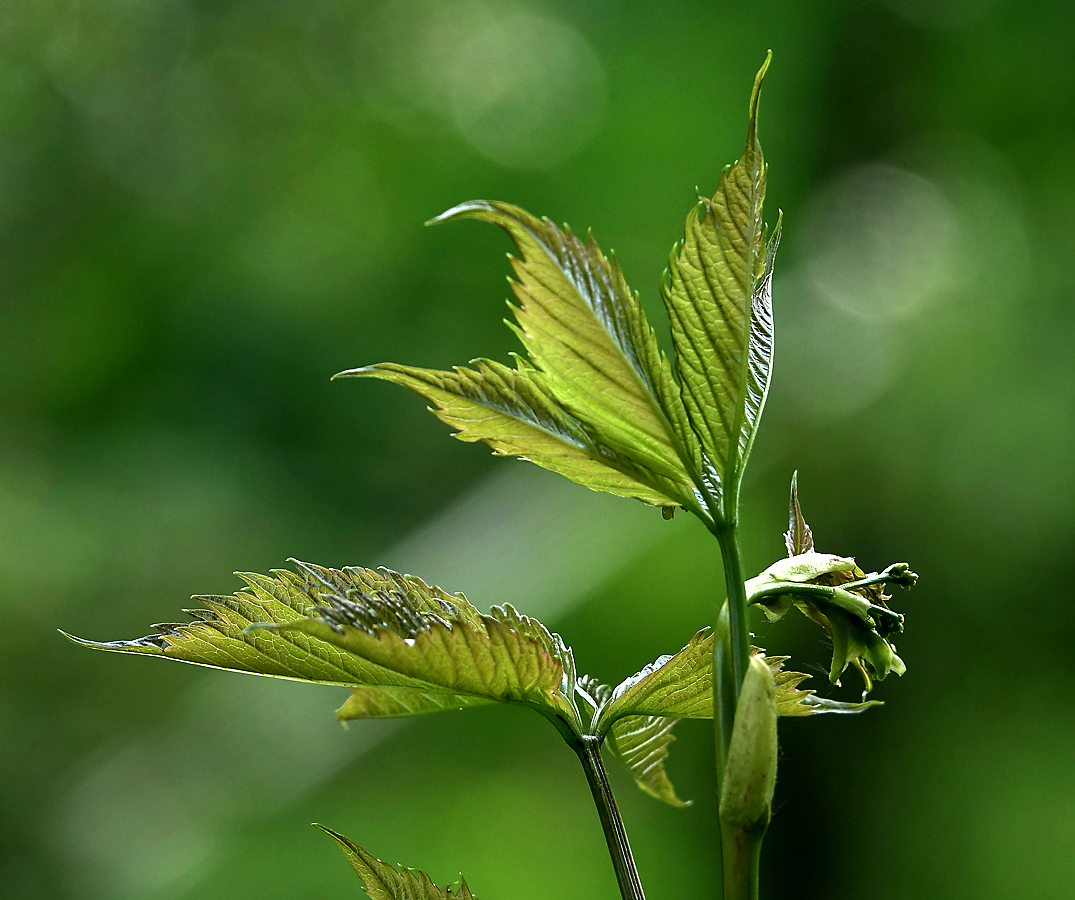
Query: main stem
(740, 854)
(740, 849)
(739, 635)
(589, 753)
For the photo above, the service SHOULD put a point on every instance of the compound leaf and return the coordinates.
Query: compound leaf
(586, 332)
(513, 412)
(718, 293)
(381, 881)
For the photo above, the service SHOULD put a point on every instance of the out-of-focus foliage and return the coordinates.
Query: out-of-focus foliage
(384, 882)
(207, 209)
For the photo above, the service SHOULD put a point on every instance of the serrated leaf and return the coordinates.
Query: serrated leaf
(678, 685)
(798, 538)
(681, 686)
(384, 882)
(718, 293)
(247, 632)
(596, 355)
(445, 645)
(640, 743)
(513, 412)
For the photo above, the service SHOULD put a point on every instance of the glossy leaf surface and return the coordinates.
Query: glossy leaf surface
(404, 647)
(718, 293)
(586, 332)
(446, 644)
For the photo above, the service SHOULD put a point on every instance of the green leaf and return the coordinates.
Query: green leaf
(586, 332)
(640, 743)
(718, 292)
(678, 685)
(263, 631)
(513, 412)
(443, 643)
(384, 882)
(681, 686)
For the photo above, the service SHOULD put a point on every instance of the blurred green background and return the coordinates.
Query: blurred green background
(207, 208)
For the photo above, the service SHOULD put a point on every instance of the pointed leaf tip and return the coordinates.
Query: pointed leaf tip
(357, 372)
(382, 881)
(755, 98)
(798, 538)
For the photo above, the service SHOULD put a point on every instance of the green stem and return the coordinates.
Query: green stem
(736, 612)
(740, 848)
(589, 753)
(740, 853)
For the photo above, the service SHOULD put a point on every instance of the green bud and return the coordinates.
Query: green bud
(750, 774)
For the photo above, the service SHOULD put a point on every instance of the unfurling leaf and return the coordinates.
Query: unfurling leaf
(834, 592)
(718, 293)
(384, 882)
(404, 647)
(746, 794)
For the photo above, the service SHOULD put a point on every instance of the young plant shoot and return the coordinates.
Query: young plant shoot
(594, 399)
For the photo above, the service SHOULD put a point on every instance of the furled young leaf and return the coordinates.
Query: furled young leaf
(384, 882)
(798, 538)
(513, 412)
(262, 630)
(444, 644)
(718, 292)
(640, 743)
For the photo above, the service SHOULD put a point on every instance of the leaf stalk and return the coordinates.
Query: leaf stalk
(623, 861)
